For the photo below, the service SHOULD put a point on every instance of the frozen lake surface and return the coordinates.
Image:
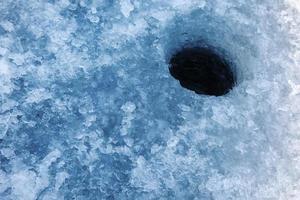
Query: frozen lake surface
(89, 110)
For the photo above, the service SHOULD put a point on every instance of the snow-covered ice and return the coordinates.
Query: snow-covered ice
(88, 109)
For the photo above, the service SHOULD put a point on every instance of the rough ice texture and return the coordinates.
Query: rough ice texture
(89, 110)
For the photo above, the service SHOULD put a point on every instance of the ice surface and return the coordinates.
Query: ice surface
(89, 110)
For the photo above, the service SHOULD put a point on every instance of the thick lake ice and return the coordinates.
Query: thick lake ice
(89, 109)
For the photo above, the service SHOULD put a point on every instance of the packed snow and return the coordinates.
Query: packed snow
(90, 111)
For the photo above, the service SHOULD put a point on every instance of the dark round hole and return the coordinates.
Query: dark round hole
(202, 71)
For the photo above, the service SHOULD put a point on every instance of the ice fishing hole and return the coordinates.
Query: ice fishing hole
(202, 70)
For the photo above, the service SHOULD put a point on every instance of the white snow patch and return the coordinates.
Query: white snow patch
(128, 108)
(8, 26)
(126, 7)
(295, 88)
(38, 95)
(143, 177)
(4, 68)
(27, 184)
(294, 3)
(4, 181)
